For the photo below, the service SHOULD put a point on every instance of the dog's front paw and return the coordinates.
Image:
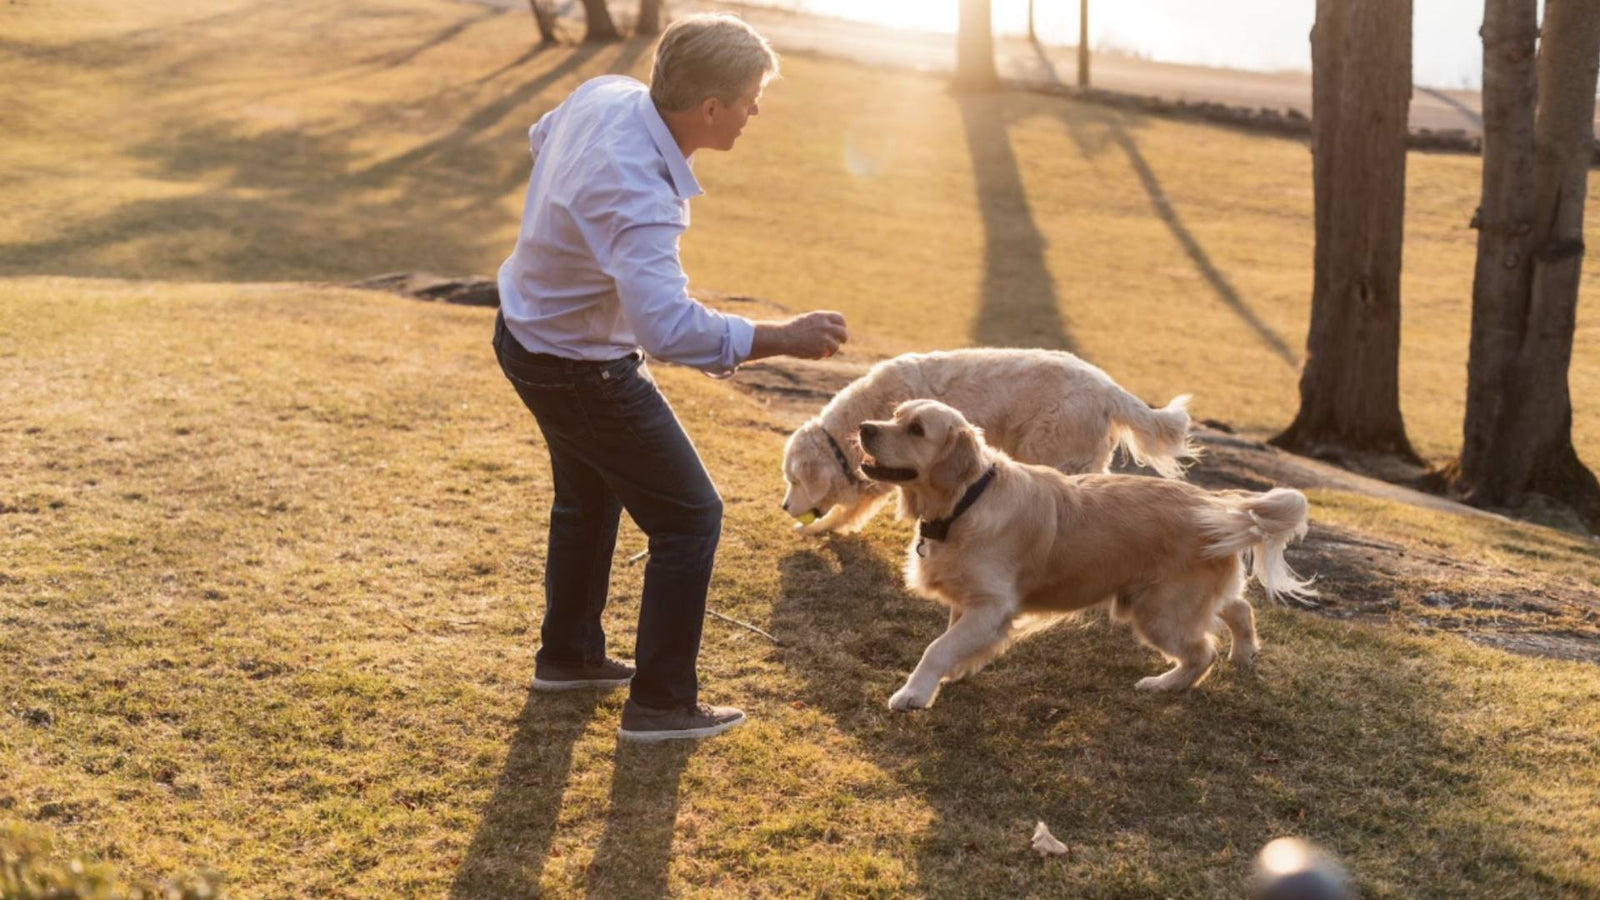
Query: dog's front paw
(908, 698)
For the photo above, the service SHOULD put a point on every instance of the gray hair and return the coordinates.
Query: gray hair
(708, 55)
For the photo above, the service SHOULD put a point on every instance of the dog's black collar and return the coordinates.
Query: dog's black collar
(939, 529)
(844, 461)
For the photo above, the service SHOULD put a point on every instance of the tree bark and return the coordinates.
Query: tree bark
(599, 27)
(975, 48)
(545, 20)
(1361, 93)
(649, 17)
(1538, 124)
(1083, 43)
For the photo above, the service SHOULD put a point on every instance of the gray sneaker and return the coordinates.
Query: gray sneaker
(556, 677)
(641, 723)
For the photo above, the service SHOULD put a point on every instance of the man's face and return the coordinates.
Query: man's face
(727, 120)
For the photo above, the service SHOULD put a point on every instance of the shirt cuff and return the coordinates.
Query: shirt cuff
(736, 349)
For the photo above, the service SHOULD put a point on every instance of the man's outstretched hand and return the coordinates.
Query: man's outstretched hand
(815, 335)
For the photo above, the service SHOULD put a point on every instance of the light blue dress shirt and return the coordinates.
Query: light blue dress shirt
(596, 273)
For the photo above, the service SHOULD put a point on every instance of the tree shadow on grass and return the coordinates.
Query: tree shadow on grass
(1092, 129)
(508, 852)
(1155, 795)
(295, 202)
(1019, 306)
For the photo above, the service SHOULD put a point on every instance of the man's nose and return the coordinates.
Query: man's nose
(868, 429)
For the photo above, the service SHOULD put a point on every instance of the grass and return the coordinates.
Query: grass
(268, 588)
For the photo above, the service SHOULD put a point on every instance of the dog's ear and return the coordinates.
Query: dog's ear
(959, 462)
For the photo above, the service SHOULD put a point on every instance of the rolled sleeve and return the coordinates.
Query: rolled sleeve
(667, 322)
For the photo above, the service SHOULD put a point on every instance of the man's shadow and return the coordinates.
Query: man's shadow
(508, 853)
(636, 848)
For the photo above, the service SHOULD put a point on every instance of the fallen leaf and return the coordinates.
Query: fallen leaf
(1046, 843)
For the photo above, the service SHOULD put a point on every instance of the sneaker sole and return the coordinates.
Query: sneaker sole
(551, 687)
(650, 737)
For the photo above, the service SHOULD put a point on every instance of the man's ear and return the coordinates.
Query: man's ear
(959, 462)
(708, 109)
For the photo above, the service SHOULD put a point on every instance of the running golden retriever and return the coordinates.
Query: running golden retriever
(1041, 406)
(1011, 547)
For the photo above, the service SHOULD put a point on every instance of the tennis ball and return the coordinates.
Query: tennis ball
(807, 517)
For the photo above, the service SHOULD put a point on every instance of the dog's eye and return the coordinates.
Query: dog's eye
(914, 429)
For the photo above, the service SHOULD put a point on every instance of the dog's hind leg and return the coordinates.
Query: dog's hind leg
(1235, 611)
(976, 633)
(1169, 620)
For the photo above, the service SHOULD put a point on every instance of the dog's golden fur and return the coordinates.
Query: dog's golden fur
(1041, 406)
(1036, 545)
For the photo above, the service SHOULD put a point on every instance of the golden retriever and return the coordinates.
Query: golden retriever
(1010, 547)
(1041, 406)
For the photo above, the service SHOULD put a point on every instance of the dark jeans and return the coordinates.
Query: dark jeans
(615, 444)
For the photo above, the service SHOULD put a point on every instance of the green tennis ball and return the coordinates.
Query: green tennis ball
(807, 517)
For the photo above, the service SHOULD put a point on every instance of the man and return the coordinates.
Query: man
(595, 276)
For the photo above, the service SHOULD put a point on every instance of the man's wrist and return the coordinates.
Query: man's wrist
(769, 339)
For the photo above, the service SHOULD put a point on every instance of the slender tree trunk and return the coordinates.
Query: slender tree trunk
(598, 21)
(649, 17)
(1083, 43)
(1032, 35)
(545, 20)
(1538, 125)
(1361, 93)
(975, 48)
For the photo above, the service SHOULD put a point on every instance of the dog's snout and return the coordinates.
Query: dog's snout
(868, 429)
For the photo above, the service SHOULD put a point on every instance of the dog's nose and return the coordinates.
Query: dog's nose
(868, 429)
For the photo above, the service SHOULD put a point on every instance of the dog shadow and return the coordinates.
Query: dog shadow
(1054, 731)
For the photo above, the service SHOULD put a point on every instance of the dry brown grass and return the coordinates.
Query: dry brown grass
(269, 553)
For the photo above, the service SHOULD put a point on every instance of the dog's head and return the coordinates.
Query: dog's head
(929, 449)
(816, 479)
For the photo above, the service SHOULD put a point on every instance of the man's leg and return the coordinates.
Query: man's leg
(583, 525)
(577, 568)
(661, 481)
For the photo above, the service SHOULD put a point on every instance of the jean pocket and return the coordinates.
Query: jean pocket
(535, 378)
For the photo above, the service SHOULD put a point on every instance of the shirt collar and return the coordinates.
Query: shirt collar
(683, 180)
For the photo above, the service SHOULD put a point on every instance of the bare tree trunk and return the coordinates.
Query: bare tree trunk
(1538, 125)
(1083, 43)
(1032, 35)
(598, 20)
(649, 17)
(975, 48)
(545, 20)
(1361, 92)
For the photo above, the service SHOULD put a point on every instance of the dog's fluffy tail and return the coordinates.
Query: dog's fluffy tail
(1158, 438)
(1260, 526)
